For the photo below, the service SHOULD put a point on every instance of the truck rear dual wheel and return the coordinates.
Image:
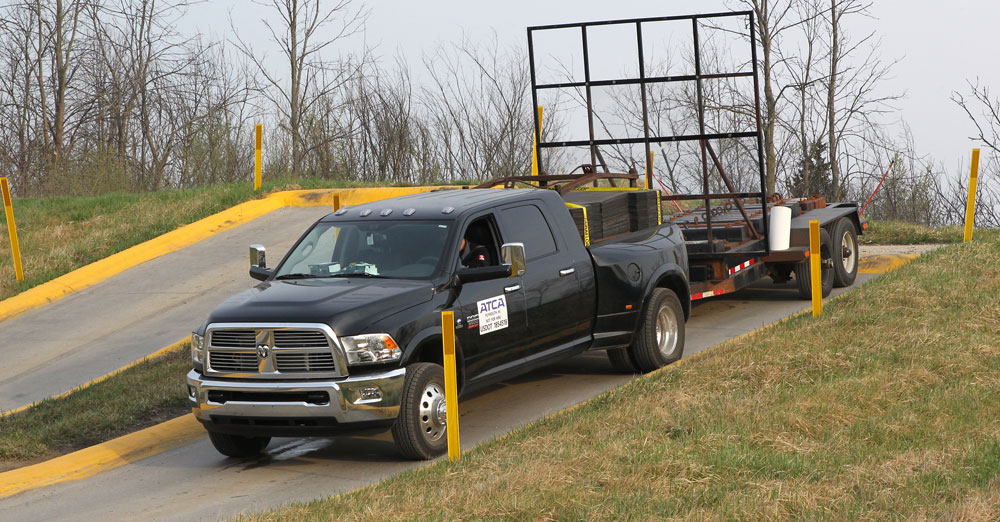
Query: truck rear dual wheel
(238, 446)
(660, 340)
(420, 427)
(803, 269)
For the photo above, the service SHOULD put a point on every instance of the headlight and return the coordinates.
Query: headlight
(197, 348)
(370, 349)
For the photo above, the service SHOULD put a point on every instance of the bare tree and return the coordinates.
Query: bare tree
(311, 77)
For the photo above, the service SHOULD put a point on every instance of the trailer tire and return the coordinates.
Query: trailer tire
(621, 361)
(238, 446)
(420, 430)
(660, 340)
(803, 269)
(845, 253)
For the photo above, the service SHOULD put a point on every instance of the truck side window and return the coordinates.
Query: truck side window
(479, 244)
(526, 224)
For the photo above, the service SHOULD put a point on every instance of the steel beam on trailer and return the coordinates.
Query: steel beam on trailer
(633, 20)
(641, 80)
(652, 139)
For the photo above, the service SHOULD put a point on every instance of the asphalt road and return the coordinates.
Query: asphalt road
(57, 347)
(196, 483)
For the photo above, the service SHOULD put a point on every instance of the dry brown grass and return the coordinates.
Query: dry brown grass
(884, 408)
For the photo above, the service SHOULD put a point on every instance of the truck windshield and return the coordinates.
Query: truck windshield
(394, 249)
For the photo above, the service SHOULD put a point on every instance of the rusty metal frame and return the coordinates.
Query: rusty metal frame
(648, 138)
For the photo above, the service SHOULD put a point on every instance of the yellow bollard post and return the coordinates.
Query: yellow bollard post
(649, 170)
(336, 202)
(815, 270)
(450, 384)
(534, 144)
(970, 202)
(259, 131)
(15, 248)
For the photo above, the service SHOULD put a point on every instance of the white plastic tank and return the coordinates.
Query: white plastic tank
(779, 227)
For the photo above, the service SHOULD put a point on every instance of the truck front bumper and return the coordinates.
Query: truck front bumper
(296, 408)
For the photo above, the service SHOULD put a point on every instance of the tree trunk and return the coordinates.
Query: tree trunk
(831, 98)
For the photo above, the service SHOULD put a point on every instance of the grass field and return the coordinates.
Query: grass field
(60, 234)
(900, 233)
(883, 408)
(149, 393)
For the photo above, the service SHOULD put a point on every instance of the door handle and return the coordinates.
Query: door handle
(566, 271)
(509, 289)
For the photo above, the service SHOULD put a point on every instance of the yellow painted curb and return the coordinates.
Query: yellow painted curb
(884, 263)
(162, 351)
(187, 235)
(103, 457)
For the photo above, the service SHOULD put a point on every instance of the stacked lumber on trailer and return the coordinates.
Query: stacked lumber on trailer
(642, 209)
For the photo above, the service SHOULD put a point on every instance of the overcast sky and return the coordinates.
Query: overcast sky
(940, 45)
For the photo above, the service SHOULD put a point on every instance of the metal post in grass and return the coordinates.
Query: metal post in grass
(259, 138)
(534, 144)
(815, 268)
(970, 202)
(15, 248)
(450, 384)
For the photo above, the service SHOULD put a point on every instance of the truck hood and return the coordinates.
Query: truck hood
(349, 306)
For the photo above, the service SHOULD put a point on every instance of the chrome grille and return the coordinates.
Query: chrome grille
(232, 361)
(304, 362)
(285, 351)
(234, 338)
(300, 339)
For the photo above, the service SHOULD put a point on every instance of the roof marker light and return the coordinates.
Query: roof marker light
(385, 212)
(340, 212)
(447, 210)
(366, 212)
(409, 211)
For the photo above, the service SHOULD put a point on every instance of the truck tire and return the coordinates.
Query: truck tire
(845, 253)
(238, 446)
(802, 269)
(660, 340)
(420, 429)
(621, 361)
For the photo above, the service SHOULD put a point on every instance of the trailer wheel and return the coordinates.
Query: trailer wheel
(621, 361)
(238, 446)
(661, 337)
(845, 250)
(803, 269)
(419, 430)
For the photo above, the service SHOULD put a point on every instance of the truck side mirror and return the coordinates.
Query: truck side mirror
(513, 255)
(258, 263)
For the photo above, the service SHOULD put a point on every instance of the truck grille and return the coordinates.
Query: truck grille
(304, 362)
(300, 339)
(290, 351)
(234, 339)
(233, 361)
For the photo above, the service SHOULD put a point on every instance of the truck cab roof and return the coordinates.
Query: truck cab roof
(441, 204)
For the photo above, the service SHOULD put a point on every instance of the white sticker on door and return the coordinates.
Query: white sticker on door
(492, 314)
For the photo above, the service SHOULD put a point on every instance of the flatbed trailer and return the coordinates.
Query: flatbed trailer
(727, 236)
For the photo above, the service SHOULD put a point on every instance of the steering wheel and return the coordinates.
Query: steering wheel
(431, 260)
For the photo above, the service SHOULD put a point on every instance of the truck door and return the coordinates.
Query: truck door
(490, 316)
(558, 283)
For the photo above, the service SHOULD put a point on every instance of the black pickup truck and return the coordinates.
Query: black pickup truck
(344, 335)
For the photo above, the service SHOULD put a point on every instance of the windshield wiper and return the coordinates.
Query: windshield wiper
(358, 274)
(297, 276)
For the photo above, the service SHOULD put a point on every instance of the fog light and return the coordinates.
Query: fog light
(373, 393)
(192, 391)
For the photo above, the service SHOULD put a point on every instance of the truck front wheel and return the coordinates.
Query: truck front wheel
(238, 446)
(419, 430)
(661, 337)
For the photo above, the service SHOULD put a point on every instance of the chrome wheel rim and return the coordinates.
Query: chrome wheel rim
(848, 252)
(666, 332)
(432, 412)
